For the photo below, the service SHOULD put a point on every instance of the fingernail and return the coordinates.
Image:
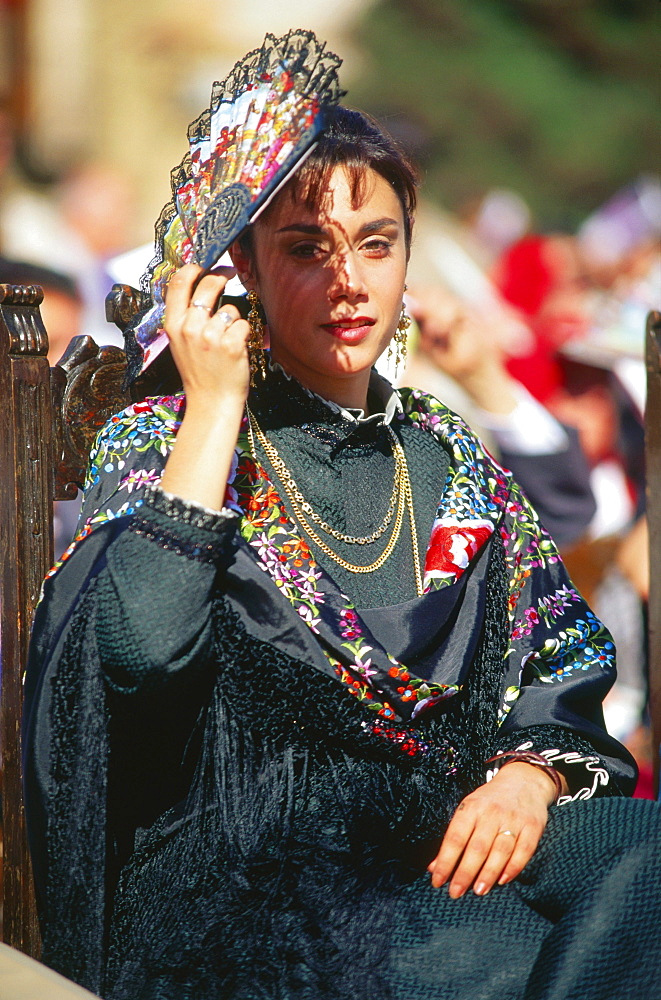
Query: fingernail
(480, 888)
(455, 891)
(503, 880)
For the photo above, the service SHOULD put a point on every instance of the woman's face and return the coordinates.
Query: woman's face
(331, 281)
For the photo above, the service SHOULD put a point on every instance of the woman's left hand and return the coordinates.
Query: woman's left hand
(495, 831)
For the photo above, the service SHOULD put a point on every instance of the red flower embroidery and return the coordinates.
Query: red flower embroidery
(453, 544)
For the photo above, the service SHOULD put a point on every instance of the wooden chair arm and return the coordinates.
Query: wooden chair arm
(653, 474)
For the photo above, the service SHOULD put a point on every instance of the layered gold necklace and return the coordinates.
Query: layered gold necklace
(401, 499)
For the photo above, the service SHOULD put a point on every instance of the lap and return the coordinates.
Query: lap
(583, 839)
(585, 909)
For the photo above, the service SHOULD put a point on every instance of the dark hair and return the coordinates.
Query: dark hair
(18, 272)
(358, 143)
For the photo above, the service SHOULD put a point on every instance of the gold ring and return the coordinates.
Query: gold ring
(506, 833)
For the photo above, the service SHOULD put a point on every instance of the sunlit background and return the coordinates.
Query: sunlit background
(535, 124)
(557, 100)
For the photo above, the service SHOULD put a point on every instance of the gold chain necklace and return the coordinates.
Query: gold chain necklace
(405, 498)
(300, 503)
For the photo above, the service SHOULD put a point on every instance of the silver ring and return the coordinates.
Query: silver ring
(227, 318)
(506, 833)
(201, 305)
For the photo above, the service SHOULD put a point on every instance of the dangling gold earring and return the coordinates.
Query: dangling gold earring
(256, 341)
(398, 343)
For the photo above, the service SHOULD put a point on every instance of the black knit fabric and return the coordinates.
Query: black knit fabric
(345, 469)
(217, 817)
(294, 851)
(580, 923)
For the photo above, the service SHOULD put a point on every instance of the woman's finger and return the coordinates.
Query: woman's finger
(502, 850)
(178, 295)
(202, 334)
(224, 320)
(453, 845)
(485, 842)
(207, 292)
(191, 289)
(225, 316)
(508, 857)
(526, 846)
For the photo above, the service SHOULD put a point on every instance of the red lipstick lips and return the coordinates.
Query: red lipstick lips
(350, 331)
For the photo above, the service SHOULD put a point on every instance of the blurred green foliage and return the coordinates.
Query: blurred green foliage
(556, 99)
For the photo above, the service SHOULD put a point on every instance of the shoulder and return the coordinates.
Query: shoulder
(428, 411)
(129, 454)
(147, 429)
(466, 448)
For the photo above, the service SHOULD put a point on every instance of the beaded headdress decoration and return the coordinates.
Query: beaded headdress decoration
(262, 121)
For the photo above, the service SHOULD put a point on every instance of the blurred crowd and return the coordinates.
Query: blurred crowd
(536, 338)
(542, 352)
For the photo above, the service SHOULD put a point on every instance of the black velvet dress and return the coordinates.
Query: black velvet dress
(240, 757)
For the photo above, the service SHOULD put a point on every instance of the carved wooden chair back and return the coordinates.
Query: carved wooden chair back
(653, 474)
(49, 421)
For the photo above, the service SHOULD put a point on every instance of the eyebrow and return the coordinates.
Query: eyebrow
(314, 230)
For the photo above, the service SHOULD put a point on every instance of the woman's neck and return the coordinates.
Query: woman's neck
(348, 391)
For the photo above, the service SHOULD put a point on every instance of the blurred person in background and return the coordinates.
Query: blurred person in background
(62, 306)
(460, 361)
(586, 299)
(96, 205)
(76, 230)
(495, 222)
(542, 277)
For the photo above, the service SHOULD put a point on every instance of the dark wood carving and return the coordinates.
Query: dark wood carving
(86, 387)
(26, 551)
(122, 303)
(50, 420)
(162, 377)
(653, 469)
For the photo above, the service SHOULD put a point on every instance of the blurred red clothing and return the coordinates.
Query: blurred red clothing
(541, 276)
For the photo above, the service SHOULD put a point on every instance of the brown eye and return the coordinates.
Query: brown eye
(378, 248)
(306, 250)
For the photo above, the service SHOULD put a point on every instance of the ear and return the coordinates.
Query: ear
(244, 265)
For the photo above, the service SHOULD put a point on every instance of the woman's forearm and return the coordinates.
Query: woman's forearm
(199, 464)
(209, 346)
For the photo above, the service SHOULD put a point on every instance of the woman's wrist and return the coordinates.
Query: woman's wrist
(209, 411)
(533, 763)
(533, 777)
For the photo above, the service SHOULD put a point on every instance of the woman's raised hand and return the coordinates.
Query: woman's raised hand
(208, 341)
(210, 347)
(495, 831)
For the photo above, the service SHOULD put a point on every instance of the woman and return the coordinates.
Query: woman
(269, 683)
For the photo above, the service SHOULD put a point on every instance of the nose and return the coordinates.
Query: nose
(347, 281)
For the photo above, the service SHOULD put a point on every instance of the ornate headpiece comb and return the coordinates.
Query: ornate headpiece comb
(262, 121)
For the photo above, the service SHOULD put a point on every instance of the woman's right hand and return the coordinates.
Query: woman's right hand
(210, 348)
(208, 341)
